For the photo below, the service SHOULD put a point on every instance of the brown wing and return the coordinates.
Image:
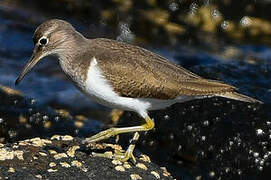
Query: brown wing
(136, 72)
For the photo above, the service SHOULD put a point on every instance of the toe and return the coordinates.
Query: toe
(101, 136)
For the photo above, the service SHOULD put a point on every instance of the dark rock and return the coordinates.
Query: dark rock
(210, 138)
(64, 157)
(23, 118)
(58, 157)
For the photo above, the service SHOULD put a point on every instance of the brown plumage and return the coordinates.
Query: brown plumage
(135, 72)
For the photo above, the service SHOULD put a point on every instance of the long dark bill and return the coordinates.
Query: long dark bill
(29, 65)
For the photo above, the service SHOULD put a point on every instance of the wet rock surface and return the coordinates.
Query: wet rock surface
(56, 156)
(23, 118)
(214, 138)
(63, 157)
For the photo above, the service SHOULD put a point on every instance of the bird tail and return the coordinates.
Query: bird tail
(239, 97)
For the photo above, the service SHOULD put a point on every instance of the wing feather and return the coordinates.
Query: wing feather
(135, 72)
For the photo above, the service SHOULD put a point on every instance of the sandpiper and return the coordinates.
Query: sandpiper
(122, 76)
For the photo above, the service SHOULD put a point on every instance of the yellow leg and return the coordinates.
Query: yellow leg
(115, 131)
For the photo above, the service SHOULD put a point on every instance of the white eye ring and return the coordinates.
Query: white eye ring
(43, 41)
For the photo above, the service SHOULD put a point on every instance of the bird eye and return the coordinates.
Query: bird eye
(43, 41)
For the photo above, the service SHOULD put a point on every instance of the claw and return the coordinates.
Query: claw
(123, 157)
(118, 154)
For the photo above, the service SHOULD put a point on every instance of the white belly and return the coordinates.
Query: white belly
(98, 89)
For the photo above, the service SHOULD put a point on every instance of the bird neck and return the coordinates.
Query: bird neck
(70, 60)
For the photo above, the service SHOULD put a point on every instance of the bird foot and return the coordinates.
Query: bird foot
(118, 154)
(101, 136)
(123, 157)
